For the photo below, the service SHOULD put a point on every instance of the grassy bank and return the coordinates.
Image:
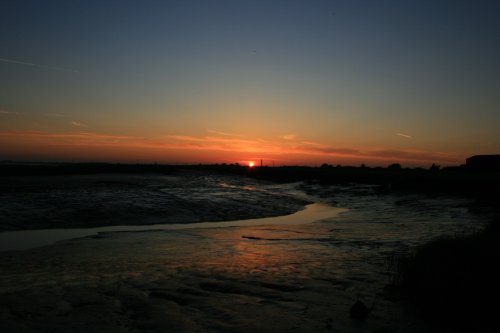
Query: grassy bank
(455, 281)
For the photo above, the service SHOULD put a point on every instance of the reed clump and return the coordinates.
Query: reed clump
(455, 281)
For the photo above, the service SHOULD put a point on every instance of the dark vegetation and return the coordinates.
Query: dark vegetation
(455, 281)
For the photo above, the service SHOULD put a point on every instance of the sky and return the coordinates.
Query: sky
(223, 81)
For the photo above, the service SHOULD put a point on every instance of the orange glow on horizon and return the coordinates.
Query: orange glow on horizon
(216, 147)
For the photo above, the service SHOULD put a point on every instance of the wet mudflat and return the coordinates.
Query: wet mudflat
(73, 201)
(266, 278)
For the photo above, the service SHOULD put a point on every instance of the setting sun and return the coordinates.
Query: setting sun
(251, 164)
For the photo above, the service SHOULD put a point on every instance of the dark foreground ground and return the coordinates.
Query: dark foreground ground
(269, 278)
(454, 280)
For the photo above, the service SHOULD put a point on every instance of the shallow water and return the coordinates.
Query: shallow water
(28, 239)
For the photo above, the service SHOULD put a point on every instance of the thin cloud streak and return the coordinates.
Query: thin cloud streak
(404, 135)
(10, 112)
(74, 135)
(222, 133)
(289, 136)
(414, 155)
(78, 124)
(55, 68)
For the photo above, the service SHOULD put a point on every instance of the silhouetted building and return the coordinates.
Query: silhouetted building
(484, 162)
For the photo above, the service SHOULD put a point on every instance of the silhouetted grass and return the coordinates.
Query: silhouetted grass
(455, 281)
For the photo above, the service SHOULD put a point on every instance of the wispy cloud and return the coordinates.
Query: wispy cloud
(24, 63)
(289, 136)
(64, 135)
(413, 155)
(404, 135)
(78, 124)
(74, 138)
(222, 133)
(10, 112)
(60, 115)
(224, 143)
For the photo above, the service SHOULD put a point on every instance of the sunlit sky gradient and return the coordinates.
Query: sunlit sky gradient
(290, 82)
